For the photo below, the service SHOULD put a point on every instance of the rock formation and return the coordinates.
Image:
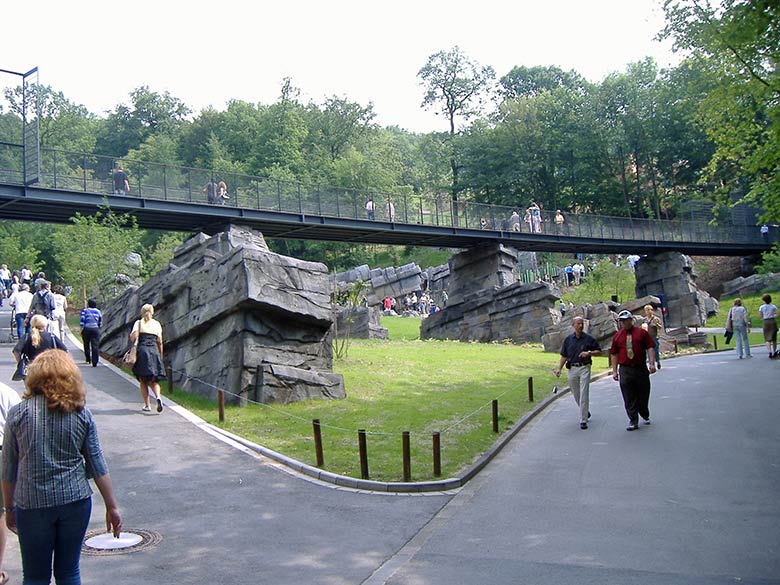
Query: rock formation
(381, 282)
(672, 277)
(360, 323)
(239, 317)
(487, 304)
(756, 283)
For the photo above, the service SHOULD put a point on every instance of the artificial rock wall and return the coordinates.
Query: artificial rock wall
(487, 304)
(674, 275)
(237, 316)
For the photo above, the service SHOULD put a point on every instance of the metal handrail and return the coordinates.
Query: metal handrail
(91, 173)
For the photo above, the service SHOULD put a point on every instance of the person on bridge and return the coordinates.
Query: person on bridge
(211, 191)
(768, 313)
(630, 350)
(222, 192)
(390, 209)
(576, 353)
(121, 184)
(370, 209)
(50, 450)
(149, 368)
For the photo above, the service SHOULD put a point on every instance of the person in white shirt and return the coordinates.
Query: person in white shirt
(58, 315)
(5, 277)
(21, 301)
(768, 313)
(740, 326)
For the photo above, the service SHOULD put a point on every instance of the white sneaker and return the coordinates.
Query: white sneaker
(147, 408)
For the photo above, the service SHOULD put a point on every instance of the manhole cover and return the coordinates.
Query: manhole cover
(100, 542)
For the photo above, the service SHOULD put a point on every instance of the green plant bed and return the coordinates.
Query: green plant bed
(395, 386)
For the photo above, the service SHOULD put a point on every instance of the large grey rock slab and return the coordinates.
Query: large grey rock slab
(753, 284)
(673, 275)
(487, 304)
(237, 317)
(393, 282)
(360, 323)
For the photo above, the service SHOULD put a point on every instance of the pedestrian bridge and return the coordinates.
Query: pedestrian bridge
(171, 197)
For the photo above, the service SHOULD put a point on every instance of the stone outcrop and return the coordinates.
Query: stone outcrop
(486, 304)
(381, 282)
(237, 316)
(600, 322)
(754, 284)
(673, 276)
(360, 323)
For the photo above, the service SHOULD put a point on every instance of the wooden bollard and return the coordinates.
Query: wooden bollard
(530, 388)
(715, 341)
(169, 373)
(363, 449)
(495, 416)
(221, 404)
(675, 346)
(318, 442)
(407, 455)
(436, 454)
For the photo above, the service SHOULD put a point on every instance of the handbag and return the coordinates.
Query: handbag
(21, 369)
(130, 356)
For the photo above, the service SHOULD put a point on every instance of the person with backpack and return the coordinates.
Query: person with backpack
(42, 303)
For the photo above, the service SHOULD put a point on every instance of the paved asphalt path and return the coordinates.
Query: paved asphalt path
(691, 499)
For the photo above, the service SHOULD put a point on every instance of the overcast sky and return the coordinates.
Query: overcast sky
(207, 53)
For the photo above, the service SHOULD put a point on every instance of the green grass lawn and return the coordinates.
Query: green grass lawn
(402, 385)
(751, 303)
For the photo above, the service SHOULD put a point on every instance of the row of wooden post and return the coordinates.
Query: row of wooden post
(362, 444)
(405, 442)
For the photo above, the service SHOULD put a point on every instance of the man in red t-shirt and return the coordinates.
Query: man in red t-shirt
(630, 349)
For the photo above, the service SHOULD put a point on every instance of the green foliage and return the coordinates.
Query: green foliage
(770, 261)
(15, 252)
(93, 250)
(162, 253)
(602, 283)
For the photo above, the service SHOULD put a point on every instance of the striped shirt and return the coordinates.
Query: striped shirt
(91, 317)
(50, 455)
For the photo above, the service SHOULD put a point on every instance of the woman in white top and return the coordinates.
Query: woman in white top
(768, 313)
(148, 367)
(740, 326)
(58, 315)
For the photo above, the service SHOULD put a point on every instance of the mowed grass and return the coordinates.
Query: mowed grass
(397, 385)
(751, 303)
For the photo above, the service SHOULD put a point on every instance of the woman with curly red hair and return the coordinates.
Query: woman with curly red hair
(50, 450)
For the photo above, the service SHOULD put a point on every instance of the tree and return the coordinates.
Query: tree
(736, 42)
(458, 87)
(532, 81)
(93, 250)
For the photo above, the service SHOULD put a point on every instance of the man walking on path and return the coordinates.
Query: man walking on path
(631, 348)
(576, 353)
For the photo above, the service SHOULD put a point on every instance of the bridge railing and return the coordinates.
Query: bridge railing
(93, 173)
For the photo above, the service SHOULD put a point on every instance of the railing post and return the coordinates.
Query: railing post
(363, 449)
(495, 416)
(407, 456)
(84, 172)
(436, 454)
(189, 185)
(300, 201)
(55, 168)
(530, 388)
(257, 189)
(338, 207)
(318, 442)
(221, 404)
(279, 193)
(406, 209)
(139, 181)
(319, 201)
(165, 182)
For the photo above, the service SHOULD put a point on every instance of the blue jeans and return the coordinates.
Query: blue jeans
(20, 317)
(53, 532)
(740, 335)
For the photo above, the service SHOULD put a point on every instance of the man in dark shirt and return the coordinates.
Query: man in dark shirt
(576, 353)
(631, 348)
(121, 185)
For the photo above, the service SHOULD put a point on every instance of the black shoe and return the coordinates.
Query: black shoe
(588, 415)
(583, 425)
(159, 405)
(632, 427)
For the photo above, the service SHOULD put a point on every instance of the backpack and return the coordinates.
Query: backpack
(42, 304)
